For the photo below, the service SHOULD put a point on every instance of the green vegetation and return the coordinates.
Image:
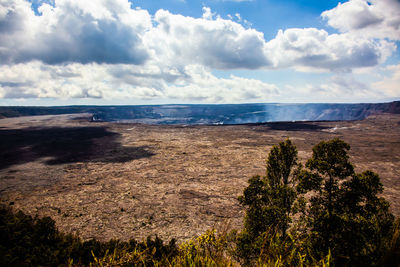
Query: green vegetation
(270, 201)
(343, 217)
(320, 214)
(346, 214)
(27, 241)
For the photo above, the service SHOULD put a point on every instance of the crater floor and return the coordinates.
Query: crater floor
(110, 180)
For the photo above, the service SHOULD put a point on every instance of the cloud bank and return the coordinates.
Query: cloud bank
(372, 19)
(36, 79)
(109, 49)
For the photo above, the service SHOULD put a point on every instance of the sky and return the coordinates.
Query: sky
(120, 52)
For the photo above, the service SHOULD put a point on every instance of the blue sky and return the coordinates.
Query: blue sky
(266, 16)
(217, 51)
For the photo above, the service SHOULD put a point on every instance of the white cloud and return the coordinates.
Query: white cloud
(120, 81)
(37, 80)
(107, 49)
(105, 31)
(224, 44)
(100, 31)
(390, 86)
(353, 88)
(213, 42)
(311, 48)
(207, 14)
(373, 19)
(339, 86)
(203, 86)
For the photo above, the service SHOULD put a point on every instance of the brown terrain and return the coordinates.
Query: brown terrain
(110, 180)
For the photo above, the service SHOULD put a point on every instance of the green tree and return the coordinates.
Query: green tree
(345, 215)
(270, 200)
(282, 161)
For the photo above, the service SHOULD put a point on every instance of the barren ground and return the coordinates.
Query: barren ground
(108, 180)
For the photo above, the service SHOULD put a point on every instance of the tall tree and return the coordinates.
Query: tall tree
(345, 215)
(269, 200)
(280, 180)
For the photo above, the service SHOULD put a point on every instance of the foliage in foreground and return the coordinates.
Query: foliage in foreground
(339, 212)
(343, 221)
(346, 213)
(27, 241)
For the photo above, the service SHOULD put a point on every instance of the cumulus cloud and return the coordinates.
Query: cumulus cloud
(312, 48)
(37, 80)
(105, 31)
(108, 49)
(213, 42)
(203, 86)
(120, 81)
(373, 19)
(101, 31)
(224, 44)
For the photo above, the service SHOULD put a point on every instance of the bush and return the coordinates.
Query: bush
(27, 241)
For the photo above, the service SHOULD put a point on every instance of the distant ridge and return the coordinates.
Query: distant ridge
(212, 114)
